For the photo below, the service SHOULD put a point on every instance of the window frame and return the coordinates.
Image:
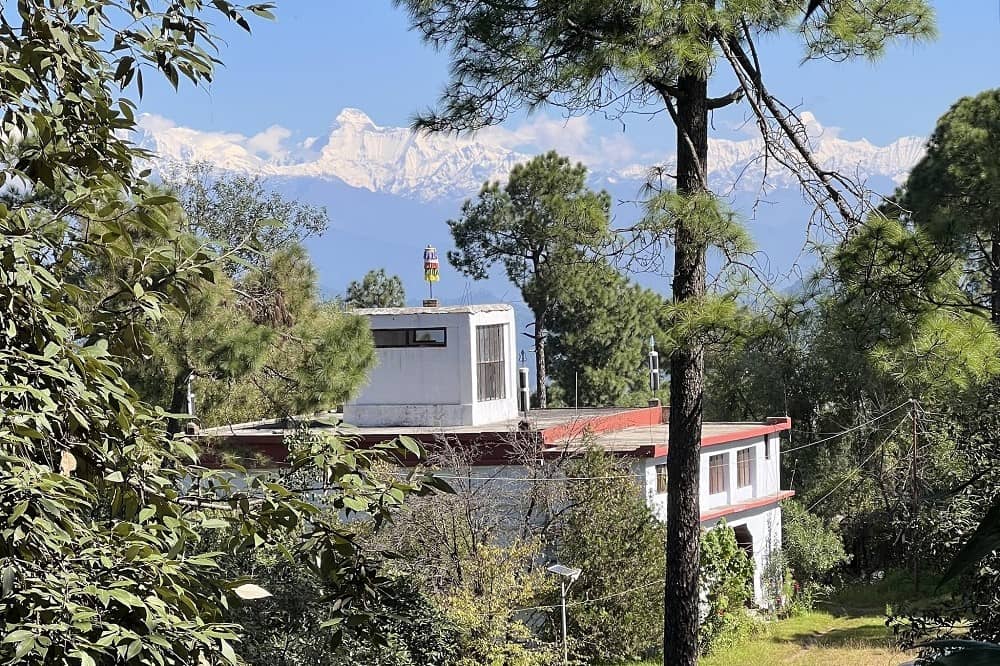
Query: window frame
(745, 467)
(491, 373)
(410, 337)
(720, 468)
(767, 447)
(661, 478)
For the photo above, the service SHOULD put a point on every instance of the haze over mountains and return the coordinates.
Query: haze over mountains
(389, 191)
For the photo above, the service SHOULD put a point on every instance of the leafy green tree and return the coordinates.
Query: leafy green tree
(238, 216)
(634, 55)
(535, 227)
(249, 341)
(610, 533)
(812, 546)
(954, 194)
(376, 290)
(287, 628)
(600, 329)
(101, 510)
(258, 346)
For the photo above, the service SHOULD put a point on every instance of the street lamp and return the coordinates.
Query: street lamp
(572, 574)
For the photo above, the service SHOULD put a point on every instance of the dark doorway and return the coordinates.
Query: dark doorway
(744, 539)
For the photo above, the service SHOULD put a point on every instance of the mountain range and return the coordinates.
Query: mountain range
(390, 190)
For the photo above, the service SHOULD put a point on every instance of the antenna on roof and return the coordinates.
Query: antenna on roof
(523, 392)
(654, 366)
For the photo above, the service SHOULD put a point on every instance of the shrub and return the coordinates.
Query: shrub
(727, 588)
(499, 581)
(812, 547)
(290, 628)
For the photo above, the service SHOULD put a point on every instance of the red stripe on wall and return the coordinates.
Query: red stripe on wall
(730, 509)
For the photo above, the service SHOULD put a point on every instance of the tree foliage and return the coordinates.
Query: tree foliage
(251, 339)
(813, 548)
(102, 511)
(727, 583)
(599, 334)
(611, 534)
(238, 216)
(953, 191)
(376, 290)
(536, 227)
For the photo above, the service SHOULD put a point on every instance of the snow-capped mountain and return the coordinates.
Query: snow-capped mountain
(391, 160)
(396, 161)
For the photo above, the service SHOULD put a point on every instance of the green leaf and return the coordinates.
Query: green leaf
(115, 477)
(984, 541)
(411, 445)
(228, 653)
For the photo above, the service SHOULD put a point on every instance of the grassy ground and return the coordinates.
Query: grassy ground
(816, 638)
(846, 630)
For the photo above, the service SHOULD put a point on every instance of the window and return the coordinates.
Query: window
(410, 337)
(767, 447)
(718, 470)
(491, 381)
(661, 479)
(744, 467)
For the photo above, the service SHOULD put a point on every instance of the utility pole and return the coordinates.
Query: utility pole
(913, 489)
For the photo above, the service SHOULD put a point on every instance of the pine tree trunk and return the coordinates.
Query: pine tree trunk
(540, 371)
(687, 383)
(178, 401)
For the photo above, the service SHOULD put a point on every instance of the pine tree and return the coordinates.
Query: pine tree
(376, 290)
(586, 56)
(954, 193)
(600, 328)
(535, 227)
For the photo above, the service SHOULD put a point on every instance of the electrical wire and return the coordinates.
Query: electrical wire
(851, 429)
(620, 477)
(857, 469)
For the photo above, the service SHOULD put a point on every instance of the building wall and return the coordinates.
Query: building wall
(435, 386)
(763, 523)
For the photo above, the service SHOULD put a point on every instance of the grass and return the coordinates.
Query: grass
(845, 630)
(818, 637)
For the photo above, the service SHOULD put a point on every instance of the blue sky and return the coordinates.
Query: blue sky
(323, 55)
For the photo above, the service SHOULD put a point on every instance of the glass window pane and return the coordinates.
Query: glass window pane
(390, 337)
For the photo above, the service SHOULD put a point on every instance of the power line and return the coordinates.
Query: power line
(536, 479)
(852, 429)
(857, 469)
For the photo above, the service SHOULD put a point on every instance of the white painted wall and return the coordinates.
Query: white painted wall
(764, 523)
(434, 386)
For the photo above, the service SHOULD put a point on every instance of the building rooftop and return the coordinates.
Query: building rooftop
(638, 432)
(441, 309)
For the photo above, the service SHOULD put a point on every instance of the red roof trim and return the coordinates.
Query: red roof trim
(774, 424)
(632, 418)
(730, 509)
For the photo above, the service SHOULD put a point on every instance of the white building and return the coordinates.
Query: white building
(441, 366)
(449, 374)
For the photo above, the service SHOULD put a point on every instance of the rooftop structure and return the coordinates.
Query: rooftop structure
(439, 366)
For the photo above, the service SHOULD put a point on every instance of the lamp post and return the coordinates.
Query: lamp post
(564, 573)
